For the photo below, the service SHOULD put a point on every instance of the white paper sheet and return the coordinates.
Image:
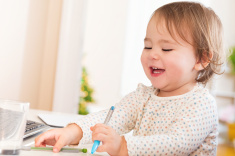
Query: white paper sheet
(58, 120)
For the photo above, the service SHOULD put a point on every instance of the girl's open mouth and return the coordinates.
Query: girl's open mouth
(156, 71)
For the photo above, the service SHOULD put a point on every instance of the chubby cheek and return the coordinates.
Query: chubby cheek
(143, 60)
(176, 72)
(179, 69)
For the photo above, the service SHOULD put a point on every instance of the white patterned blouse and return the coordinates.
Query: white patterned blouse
(179, 125)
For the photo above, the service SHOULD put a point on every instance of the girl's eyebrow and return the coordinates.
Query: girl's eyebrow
(166, 41)
(162, 41)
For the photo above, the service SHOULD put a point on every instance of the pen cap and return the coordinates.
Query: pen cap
(109, 115)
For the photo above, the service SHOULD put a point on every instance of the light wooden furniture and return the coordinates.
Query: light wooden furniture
(225, 150)
(225, 147)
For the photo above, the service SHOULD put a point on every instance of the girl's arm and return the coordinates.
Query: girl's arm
(123, 119)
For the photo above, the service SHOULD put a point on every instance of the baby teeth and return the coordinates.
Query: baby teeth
(155, 72)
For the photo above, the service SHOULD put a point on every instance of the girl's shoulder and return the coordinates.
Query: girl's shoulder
(201, 91)
(143, 92)
(202, 94)
(143, 89)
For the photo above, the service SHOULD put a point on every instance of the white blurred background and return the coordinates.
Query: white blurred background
(44, 44)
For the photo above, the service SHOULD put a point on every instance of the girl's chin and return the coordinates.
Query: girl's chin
(158, 86)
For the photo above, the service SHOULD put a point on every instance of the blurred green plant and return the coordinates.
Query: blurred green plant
(231, 60)
(85, 93)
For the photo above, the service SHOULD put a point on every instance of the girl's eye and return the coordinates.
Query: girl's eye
(147, 47)
(167, 49)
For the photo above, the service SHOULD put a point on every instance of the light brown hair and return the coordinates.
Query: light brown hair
(205, 28)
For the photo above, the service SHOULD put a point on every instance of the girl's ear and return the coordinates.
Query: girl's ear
(203, 63)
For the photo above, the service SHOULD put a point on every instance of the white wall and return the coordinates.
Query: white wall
(224, 87)
(68, 72)
(12, 38)
(225, 10)
(104, 47)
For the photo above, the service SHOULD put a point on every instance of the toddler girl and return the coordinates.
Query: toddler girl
(176, 115)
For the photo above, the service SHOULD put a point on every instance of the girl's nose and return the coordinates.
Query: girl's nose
(154, 55)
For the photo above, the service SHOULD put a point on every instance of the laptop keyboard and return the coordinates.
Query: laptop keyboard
(33, 127)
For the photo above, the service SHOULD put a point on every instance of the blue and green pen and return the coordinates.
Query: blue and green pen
(97, 142)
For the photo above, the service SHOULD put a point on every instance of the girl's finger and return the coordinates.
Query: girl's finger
(59, 144)
(100, 125)
(50, 142)
(100, 130)
(101, 148)
(99, 136)
(45, 137)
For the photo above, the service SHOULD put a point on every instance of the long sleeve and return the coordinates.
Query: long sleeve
(87, 121)
(123, 119)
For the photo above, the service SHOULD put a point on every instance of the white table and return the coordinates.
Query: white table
(32, 115)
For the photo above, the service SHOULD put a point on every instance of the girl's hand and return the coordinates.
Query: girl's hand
(112, 142)
(60, 137)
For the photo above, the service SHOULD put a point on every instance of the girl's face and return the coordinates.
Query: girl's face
(169, 65)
